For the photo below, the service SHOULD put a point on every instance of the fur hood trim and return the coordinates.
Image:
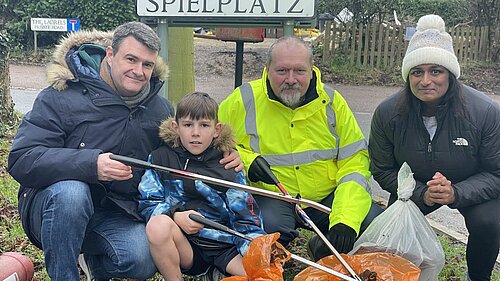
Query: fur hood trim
(224, 142)
(58, 72)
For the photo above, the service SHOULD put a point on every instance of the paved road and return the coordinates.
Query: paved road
(23, 99)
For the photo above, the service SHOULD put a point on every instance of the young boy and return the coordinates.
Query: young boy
(195, 141)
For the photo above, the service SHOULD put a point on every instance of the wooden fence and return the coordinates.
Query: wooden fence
(381, 45)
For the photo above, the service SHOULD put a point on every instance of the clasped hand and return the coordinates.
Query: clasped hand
(439, 191)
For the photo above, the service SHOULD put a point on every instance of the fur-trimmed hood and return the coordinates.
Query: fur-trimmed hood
(58, 72)
(224, 142)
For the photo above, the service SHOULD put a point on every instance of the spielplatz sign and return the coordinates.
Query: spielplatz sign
(238, 10)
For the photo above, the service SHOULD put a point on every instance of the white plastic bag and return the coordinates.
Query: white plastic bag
(403, 230)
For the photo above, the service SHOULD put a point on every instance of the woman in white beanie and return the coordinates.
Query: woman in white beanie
(449, 134)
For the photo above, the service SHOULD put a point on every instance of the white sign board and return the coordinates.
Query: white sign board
(54, 24)
(46, 24)
(227, 8)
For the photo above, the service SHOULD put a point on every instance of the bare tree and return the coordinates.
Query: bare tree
(485, 12)
(363, 11)
(7, 114)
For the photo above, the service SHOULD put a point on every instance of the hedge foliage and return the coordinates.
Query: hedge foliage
(95, 14)
(472, 12)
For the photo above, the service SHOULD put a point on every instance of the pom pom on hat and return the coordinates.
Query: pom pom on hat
(431, 22)
(430, 45)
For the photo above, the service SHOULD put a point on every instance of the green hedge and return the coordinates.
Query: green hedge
(96, 14)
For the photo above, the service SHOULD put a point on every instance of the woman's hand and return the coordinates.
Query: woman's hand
(439, 191)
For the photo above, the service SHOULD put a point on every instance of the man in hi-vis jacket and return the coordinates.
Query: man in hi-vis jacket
(312, 142)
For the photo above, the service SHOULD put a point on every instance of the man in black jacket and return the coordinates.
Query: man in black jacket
(73, 197)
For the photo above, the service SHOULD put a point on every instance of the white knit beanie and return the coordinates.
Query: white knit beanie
(430, 45)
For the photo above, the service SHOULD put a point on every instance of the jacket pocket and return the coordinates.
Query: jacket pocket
(77, 138)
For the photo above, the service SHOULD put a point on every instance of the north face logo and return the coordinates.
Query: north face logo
(461, 141)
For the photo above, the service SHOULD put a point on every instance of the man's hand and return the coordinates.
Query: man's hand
(342, 237)
(439, 191)
(109, 170)
(232, 160)
(187, 225)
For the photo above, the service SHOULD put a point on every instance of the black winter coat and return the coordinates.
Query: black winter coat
(465, 149)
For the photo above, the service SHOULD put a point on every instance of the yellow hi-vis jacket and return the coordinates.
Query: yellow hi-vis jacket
(313, 150)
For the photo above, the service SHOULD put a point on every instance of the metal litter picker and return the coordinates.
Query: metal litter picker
(188, 175)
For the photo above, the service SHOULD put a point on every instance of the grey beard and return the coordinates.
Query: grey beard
(291, 100)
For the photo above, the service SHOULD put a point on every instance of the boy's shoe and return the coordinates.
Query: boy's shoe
(85, 268)
(213, 274)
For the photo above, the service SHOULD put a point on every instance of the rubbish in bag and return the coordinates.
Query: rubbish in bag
(403, 230)
(263, 259)
(370, 267)
(368, 275)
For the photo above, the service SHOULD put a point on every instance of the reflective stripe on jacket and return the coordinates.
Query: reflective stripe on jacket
(300, 145)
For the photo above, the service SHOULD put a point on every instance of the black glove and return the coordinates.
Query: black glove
(260, 171)
(341, 236)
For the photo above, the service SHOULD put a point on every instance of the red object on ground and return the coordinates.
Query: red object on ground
(12, 264)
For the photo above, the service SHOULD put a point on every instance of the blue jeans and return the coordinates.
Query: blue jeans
(63, 218)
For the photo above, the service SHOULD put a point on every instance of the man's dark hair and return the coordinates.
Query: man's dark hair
(197, 105)
(140, 31)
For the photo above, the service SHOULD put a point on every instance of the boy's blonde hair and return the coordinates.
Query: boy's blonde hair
(197, 105)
